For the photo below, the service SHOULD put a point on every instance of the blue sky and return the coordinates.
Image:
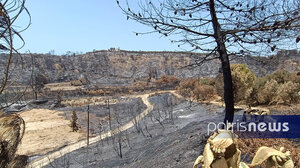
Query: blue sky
(84, 25)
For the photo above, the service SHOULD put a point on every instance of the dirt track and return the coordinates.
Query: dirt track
(49, 130)
(44, 160)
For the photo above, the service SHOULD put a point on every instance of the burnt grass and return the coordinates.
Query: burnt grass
(122, 111)
(160, 140)
(168, 142)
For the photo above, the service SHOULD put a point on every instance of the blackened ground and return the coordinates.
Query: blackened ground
(165, 143)
(123, 111)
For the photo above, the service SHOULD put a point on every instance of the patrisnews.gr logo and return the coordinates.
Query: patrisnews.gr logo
(265, 126)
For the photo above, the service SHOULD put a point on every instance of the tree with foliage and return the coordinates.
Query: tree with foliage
(38, 83)
(74, 123)
(280, 87)
(222, 28)
(186, 88)
(243, 81)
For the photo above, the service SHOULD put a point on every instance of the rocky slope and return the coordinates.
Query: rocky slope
(119, 67)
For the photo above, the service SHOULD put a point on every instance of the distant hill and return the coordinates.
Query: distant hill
(120, 67)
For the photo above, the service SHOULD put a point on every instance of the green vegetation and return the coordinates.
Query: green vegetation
(243, 81)
(233, 27)
(74, 124)
(280, 87)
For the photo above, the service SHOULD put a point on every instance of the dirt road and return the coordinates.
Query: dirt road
(44, 160)
(45, 131)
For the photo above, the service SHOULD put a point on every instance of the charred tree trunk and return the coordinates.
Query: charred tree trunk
(35, 95)
(88, 125)
(221, 49)
(120, 147)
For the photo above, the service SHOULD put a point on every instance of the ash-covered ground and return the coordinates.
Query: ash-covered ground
(172, 135)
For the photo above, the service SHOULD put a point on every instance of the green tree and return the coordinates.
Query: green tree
(287, 93)
(74, 123)
(280, 76)
(243, 81)
(221, 29)
(266, 93)
(280, 87)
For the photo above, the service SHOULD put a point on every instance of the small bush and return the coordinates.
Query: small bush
(41, 80)
(186, 87)
(97, 92)
(208, 81)
(295, 78)
(266, 93)
(140, 85)
(287, 93)
(257, 87)
(74, 124)
(167, 82)
(203, 92)
(281, 87)
(280, 76)
(78, 82)
(195, 89)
